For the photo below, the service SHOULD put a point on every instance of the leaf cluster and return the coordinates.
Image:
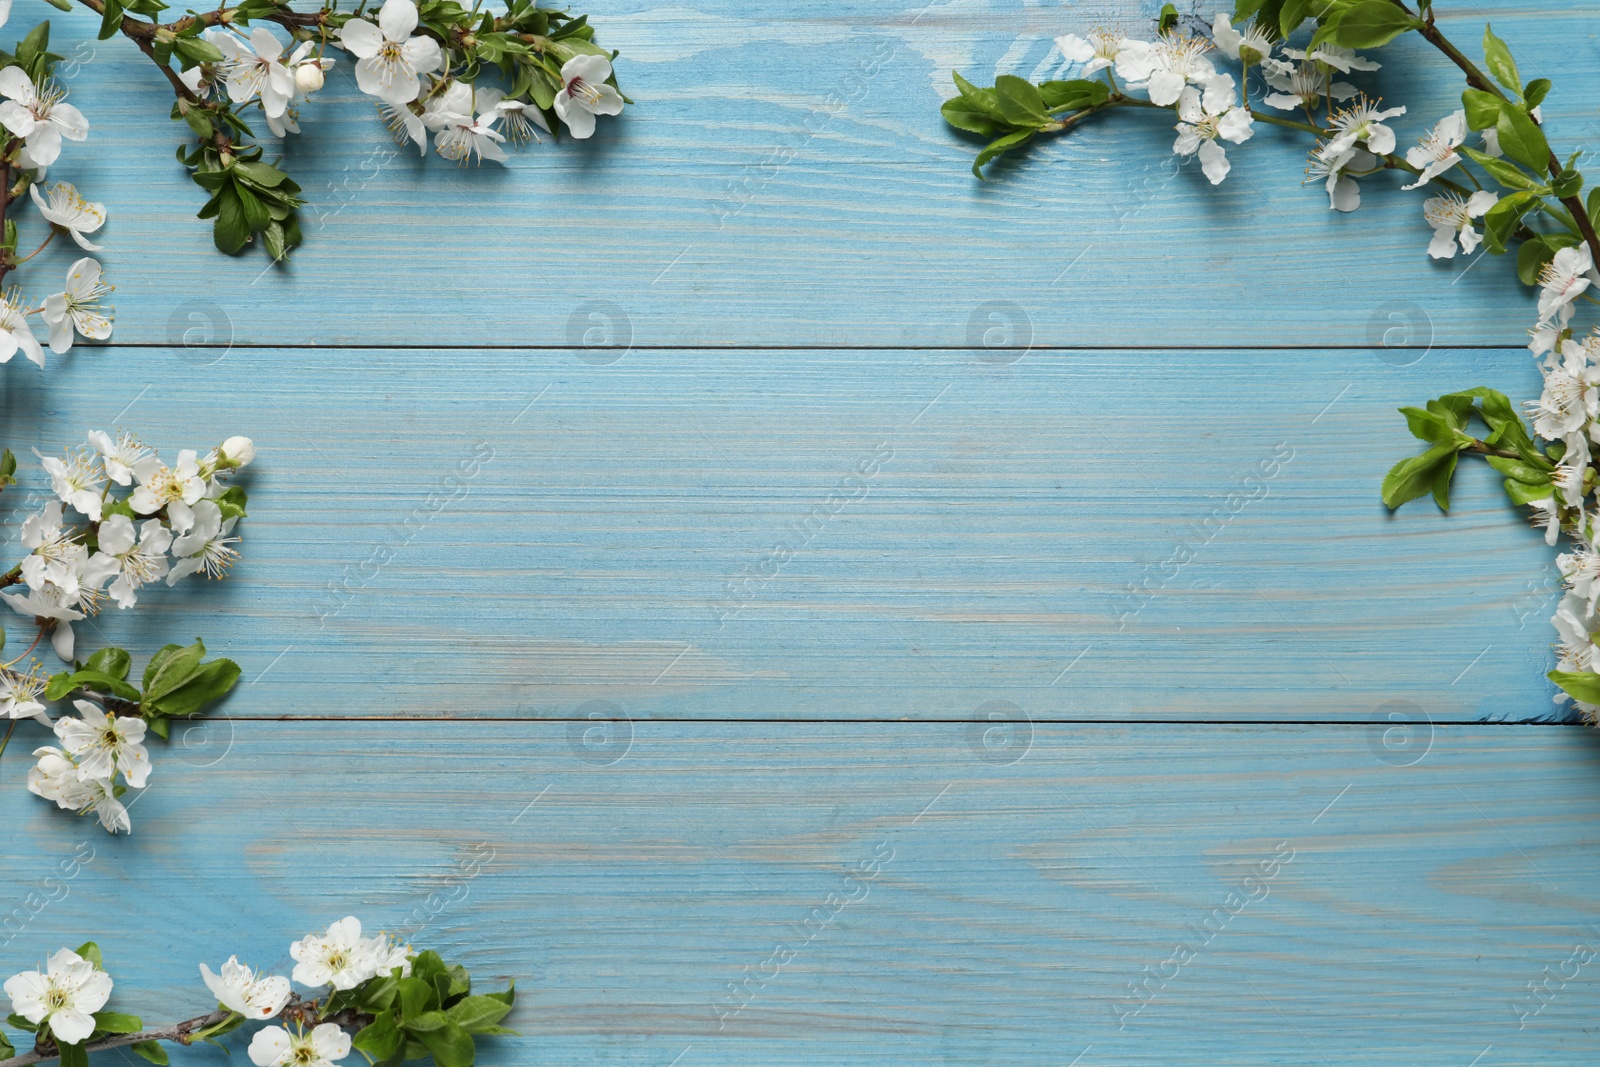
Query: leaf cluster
(431, 1013)
(1014, 110)
(1442, 425)
(178, 682)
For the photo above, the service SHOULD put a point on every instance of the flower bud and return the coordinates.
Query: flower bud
(236, 452)
(308, 77)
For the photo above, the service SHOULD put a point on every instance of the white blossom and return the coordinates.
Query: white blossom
(389, 61)
(585, 94)
(77, 480)
(1162, 69)
(404, 123)
(129, 557)
(1563, 280)
(65, 996)
(1206, 119)
(338, 957)
(459, 134)
(1097, 51)
(39, 115)
(241, 990)
(175, 488)
(1300, 84)
(1336, 57)
(66, 208)
(274, 1046)
(1250, 45)
(206, 547)
(1330, 168)
(15, 333)
(19, 697)
(118, 457)
(1451, 216)
(1363, 121)
(76, 309)
(1436, 153)
(520, 119)
(103, 745)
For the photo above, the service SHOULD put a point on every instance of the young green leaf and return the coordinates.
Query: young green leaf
(1411, 478)
(998, 146)
(1580, 685)
(1020, 102)
(1372, 23)
(1497, 57)
(960, 112)
(115, 1022)
(1503, 171)
(1522, 139)
(150, 1050)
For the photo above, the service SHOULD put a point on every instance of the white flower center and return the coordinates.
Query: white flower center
(579, 89)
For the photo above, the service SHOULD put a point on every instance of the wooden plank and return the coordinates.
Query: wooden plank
(690, 535)
(785, 179)
(1013, 905)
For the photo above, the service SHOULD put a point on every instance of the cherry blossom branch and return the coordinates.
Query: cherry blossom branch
(300, 1011)
(1477, 79)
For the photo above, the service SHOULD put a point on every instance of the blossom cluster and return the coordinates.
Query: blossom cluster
(1508, 190)
(430, 69)
(34, 120)
(358, 981)
(175, 521)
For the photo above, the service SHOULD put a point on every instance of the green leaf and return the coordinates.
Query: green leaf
(73, 1055)
(1500, 221)
(1566, 183)
(1292, 14)
(197, 50)
(34, 45)
(1411, 478)
(451, 1046)
(377, 994)
(1531, 258)
(91, 952)
(380, 1038)
(1503, 171)
(6, 1049)
(1441, 481)
(1372, 23)
(112, 662)
(261, 174)
(1580, 685)
(1073, 95)
(961, 113)
(1519, 471)
(1020, 101)
(1522, 139)
(59, 685)
(1522, 493)
(111, 21)
(982, 100)
(416, 996)
(998, 146)
(231, 230)
(1483, 109)
(115, 1022)
(506, 996)
(21, 1024)
(1533, 93)
(8, 468)
(1497, 57)
(232, 501)
(150, 1050)
(472, 1014)
(426, 1022)
(1429, 427)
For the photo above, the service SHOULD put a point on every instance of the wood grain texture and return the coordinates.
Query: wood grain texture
(836, 535)
(785, 178)
(625, 887)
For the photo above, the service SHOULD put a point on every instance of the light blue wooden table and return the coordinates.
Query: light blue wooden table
(798, 575)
